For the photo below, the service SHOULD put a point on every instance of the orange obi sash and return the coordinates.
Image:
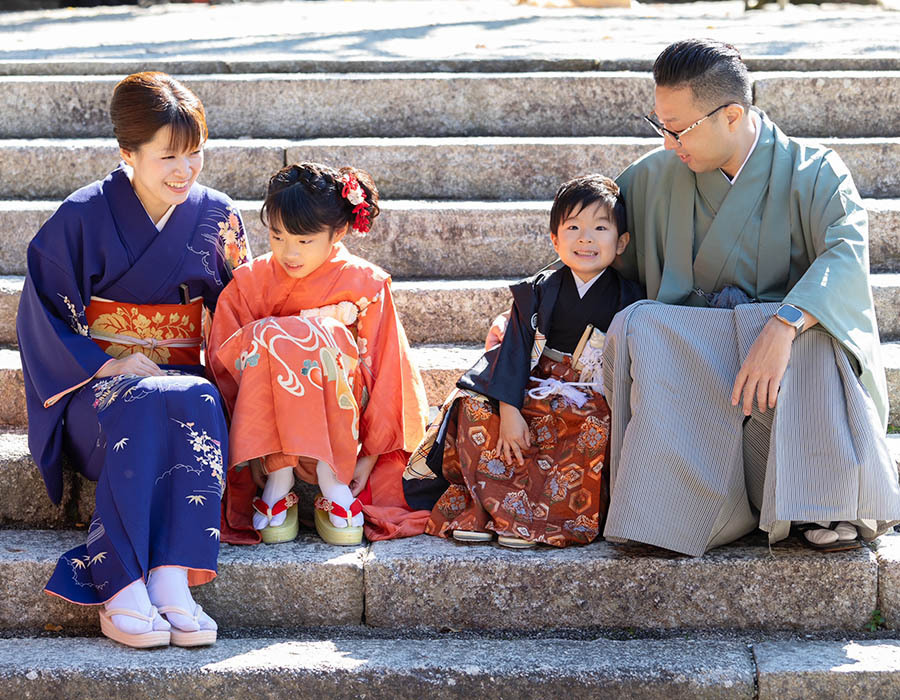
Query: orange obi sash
(169, 334)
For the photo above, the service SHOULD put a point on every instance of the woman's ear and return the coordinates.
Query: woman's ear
(622, 243)
(127, 156)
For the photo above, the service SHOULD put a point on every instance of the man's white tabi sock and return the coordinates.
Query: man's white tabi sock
(134, 597)
(337, 492)
(278, 484)
(168, 585)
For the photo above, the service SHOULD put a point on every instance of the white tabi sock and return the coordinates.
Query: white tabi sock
(168, 585)
(337, 492)
(278, 484)
(134, 597)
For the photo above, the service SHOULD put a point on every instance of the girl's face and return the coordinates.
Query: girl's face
(161, 177)
(588, 242)
(300, 256)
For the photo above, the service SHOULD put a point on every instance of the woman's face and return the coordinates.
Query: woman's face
(162, 177)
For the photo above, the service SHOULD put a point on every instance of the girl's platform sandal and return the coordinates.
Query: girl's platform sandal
(287, 531)
(341, 536)
(472, 536)
(144, 640)
(181, 638)
(515, 542)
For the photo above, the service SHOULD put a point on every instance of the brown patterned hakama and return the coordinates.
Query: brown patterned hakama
(558, 497)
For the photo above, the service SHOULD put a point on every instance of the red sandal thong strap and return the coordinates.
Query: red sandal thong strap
(263, 508)
(323, 503)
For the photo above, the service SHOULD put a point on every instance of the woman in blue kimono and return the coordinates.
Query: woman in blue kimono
(110, 330)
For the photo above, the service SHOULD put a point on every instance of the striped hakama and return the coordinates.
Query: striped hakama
(688, 472)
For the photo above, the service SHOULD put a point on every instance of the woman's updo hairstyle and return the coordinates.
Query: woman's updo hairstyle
(143, 103)
(307, 198)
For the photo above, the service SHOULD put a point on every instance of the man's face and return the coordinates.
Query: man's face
(707, 146)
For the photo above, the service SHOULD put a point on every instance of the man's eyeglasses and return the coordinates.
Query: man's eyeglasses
(663, 131)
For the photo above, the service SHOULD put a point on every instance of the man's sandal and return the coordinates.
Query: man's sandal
(143, 640)
(841, 541)
(515, 542)
(181, 638)
(341, 536)
(287, 531)
(472, 536)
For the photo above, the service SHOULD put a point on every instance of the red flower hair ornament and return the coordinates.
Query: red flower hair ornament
(356, 195)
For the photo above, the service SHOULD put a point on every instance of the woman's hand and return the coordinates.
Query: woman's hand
(364, 466)
(137, 364)
(514, 434)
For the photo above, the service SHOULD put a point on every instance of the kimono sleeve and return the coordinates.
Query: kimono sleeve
(232, 243)
(394, 416)
(836, 286)
(226, 322)
(58, 354)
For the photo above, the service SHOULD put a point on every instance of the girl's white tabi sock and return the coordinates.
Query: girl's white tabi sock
(168, 585)
(335, 491)
(135, 597)
(278, 484)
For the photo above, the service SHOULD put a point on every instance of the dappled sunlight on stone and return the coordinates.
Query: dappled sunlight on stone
(278, 655)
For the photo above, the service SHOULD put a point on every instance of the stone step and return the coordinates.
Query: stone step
(497, 64)
(427, 583)
(344, 666)
(461, 311)
(19, 474)
(474, 168)
(421, 239)
(455, 667)
(820, 103)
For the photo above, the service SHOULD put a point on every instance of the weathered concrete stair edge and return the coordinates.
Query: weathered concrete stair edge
(438, 239)
(461, 311)
(480, 587)
(403, 669)
(187, 67)
(472, 168)
(382, 669)
(839, 103)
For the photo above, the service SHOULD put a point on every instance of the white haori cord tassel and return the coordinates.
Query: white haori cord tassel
(568, 390)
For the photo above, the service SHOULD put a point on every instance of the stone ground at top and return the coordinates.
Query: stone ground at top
(422, 617)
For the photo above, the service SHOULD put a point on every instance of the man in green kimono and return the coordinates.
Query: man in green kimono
(753, 394)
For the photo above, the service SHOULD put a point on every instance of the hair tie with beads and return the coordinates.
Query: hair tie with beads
(356, 195)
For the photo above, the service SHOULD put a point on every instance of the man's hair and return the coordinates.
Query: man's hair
(712, 70)
(575, 195)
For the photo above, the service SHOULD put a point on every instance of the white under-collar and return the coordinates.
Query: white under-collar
(754, 117)
(161, 224)
(583, 287)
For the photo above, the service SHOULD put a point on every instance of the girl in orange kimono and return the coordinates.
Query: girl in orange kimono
(315, 370)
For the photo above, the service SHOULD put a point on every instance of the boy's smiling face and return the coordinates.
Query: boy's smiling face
(588, 241)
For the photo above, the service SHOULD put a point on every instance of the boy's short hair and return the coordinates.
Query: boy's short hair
(583, 191)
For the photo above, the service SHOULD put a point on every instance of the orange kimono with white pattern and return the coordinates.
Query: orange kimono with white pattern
(317, 368)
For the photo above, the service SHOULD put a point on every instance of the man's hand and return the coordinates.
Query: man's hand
(514, 434)
(137, 364)
(364, 467)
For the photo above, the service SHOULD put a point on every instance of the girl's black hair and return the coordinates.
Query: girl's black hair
(575, 195)
(306, 198)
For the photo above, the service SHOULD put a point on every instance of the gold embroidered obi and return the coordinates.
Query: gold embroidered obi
(169, 334)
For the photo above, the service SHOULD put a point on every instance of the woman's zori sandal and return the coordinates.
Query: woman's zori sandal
(473, 536)
(159, 633)
(199, 637)
(287, 531)
(830, 537)
(341, 536)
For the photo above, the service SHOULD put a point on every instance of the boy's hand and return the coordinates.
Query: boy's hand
(514, 434)
(364, 467)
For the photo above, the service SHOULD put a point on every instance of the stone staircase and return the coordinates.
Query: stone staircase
(466, 163)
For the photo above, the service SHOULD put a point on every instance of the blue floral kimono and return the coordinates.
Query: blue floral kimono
(154, 445)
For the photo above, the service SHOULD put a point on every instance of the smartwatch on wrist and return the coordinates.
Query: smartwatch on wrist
(792, 316)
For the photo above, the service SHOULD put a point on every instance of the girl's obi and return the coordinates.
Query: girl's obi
(169, 334)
